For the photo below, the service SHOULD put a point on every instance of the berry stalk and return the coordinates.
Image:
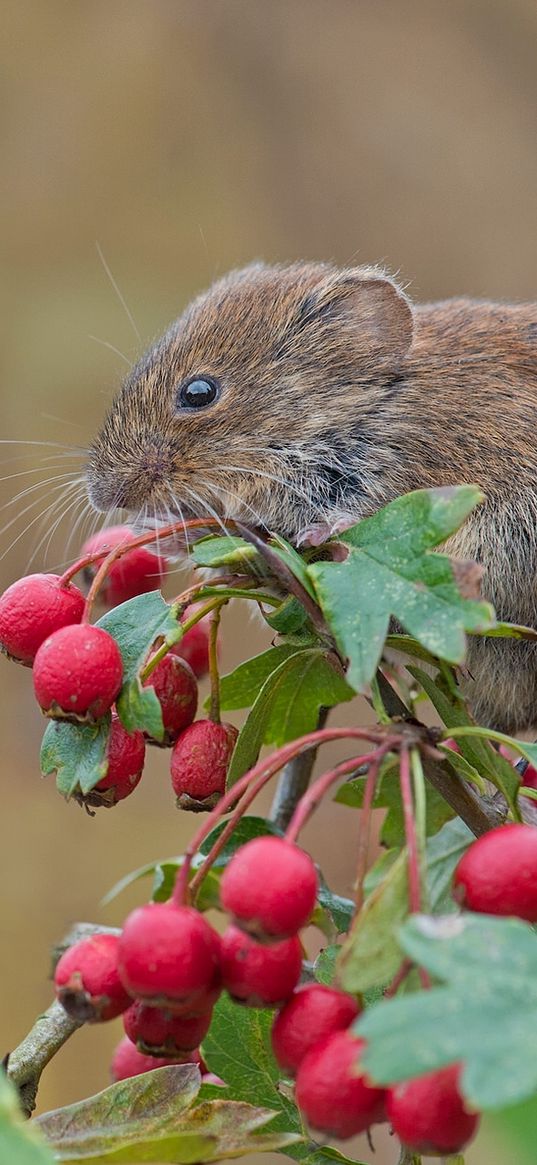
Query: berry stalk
(274, 764)
(414, 881)
(365, 829)
(313, 797)
(214, 673)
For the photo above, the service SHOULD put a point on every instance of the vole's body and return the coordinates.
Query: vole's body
(336, 396)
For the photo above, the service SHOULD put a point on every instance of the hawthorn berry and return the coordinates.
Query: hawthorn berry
(127, 1061)
(258, 975)
(169, 958)
(158, 1032)
(176, 689)
(137, 571)
(78, 673)
(125, 753)
(87, 981)
(498, 873)
(270, 888)
(529, 779)
(32, 609)
(199, 764)
(429, 1113)
(312, 1013)
(331, 1093)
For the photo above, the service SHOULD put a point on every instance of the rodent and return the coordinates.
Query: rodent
(328, 393)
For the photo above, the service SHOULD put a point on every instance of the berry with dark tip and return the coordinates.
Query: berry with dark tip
(332, 1094)
(199, 764)
(498, 873)
(312, 1013)
(127, 1061)
(87, 981)
(158, 1032)
(270, 888)
(169, 958)
(176, 689)
(135, 573)
(78, 673)
(32, 609)
(259, 975)
(125, 753)
(429, 1114)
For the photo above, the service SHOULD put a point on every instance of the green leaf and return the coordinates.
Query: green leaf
(76, 753)
(485, 1015)
(20, 1141)
(478, 752)
(288, 618)
(371, 953)
(339, 909)
(245, 830)
(294, 561)
(288, 705)
(388, 796)
(324, 968)
(390, 572)
(443, 852)
(240, 688)
(229, 551)
(238, 1048)
(136, 626)
(153, 1118)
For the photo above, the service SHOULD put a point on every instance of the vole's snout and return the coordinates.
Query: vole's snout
(129, 487)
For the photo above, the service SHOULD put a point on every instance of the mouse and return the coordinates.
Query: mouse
(302, 397)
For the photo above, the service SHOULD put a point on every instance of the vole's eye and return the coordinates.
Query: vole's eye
(198, 392)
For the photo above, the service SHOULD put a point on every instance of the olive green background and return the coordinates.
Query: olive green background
(184, 138)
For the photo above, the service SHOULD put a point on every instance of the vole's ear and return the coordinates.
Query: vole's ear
(367, 302)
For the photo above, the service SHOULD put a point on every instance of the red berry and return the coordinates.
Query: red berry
(32, 609)
(78, 673)
(529, 779)
(312, 1013)
(429, 1114)
(331, 1093)
(199, 764)
(125, 752)
(160, 1033)
(257, 975)
(87, 981)
(169, 957)
(136, 572)
(175, 687)
(127, 1061)
(270, 887)
(498, 873)
(194, 648)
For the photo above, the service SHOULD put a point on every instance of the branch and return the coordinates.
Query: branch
(479, 813)
(25, 1065)
(50, 1031)
(293, 782)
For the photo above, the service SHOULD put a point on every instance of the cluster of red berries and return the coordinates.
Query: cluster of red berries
(166, 970)
(78, 674)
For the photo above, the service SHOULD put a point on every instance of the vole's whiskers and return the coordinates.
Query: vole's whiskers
(112, 348)
(121, 298)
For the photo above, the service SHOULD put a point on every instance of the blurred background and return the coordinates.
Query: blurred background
(181, 139)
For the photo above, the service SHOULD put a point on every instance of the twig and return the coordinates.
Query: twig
(293, 782)
(26, 1063)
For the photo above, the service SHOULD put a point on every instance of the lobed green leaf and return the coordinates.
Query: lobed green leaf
(391, 572)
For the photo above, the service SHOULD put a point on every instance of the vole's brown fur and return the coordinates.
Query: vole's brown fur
(338, 395)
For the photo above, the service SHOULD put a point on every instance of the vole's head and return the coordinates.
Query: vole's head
(262, 402)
